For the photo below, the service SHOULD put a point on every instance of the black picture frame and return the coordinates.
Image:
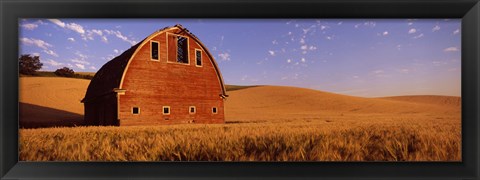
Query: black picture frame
(467, 10)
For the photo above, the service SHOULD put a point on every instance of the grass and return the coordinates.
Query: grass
(291, 141)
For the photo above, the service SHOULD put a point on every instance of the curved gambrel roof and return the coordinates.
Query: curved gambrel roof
(110, 76)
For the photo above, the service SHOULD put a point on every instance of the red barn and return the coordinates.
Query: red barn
(168, 78)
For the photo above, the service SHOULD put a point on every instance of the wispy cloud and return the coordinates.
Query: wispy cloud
(79, 61)
(50, 52)
(53, 63)
(451, 49)
(119, 35)
(224, 56)
(36, 42)
(418, 36)
(71, 26)
(71, 39)
(435, 28)
(411, 31)
(385, 33)
(29, 26)
(272, 53)
(81, 66)
(457, 31)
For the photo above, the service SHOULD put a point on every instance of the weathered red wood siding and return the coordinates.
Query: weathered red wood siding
(150, 85)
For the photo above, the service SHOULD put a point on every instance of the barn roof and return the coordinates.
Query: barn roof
(110, 75)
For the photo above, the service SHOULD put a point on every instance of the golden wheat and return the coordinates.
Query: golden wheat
(365, 138)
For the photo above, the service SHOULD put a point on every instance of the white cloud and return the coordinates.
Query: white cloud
(224, 56)
(93, 68)
(119, 35)
(79, 61)
(57, 22)
(116, 51)
(411, 31)
(340, 23)
(304, 47)
(79, 54)
(72, 26)
(302, 41)
(104, 39)
(451, 49)
(289, 60)
(370, 24)
(435, 28)
(37, 42)
(76, 27)
(53, 63)
(312, 48)
(357, 25)
(385, 33)
(456, 31)
(303, 60)
(35, 54)
(71, 39)
(289, 33)
(323, 27)
(410, 23)
(274, 42)
(329, 37)
(378, 71)
(272, 53)
(29, 26)
(418, 36)
(98, 32)
(81, 66)
(50, 52)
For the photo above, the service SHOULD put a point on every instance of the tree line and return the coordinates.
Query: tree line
(29, 65)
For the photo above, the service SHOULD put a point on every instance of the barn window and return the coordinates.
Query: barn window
(154, 50)
(192, 110)
(166, 110)
(198, 57)
(135, 110)
(214, 110)
(182, 49)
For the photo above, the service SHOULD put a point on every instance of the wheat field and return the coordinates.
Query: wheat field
(264, 123)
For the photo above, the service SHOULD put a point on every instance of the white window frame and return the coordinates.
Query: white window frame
(201, 59)
(194, 110)
(169, 110)
(158, 50)
(137, 108)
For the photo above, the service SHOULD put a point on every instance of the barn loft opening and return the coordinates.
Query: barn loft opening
(154, 50)
(182, 49)
(214, 110)
(198, 57)
(135, 110)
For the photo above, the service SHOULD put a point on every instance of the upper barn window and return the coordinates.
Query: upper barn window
(154, 49)
(198, 57)
(182, 49)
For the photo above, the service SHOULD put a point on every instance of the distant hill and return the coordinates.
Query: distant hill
(58, 99)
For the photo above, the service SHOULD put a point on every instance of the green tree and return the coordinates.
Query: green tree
(65, 72)
(29, 64)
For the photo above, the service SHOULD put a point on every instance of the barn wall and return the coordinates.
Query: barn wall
(150, 85)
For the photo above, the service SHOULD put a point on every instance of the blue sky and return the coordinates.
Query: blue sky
(359, 57)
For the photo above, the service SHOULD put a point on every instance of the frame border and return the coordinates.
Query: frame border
(468, 10)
